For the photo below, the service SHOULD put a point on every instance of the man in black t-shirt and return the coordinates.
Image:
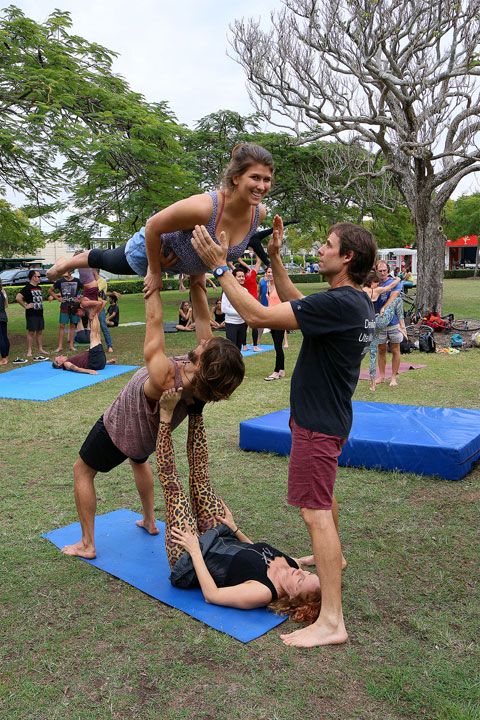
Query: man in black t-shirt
(337, 328)
(66, 290)
(30, 298)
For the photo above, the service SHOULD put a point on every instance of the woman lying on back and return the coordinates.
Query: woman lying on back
(206, 549)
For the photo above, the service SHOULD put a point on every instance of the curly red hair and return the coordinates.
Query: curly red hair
(300, 609)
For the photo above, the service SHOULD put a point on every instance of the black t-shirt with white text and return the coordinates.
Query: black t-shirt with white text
(337, 326)
(69, 290)
(33, 294)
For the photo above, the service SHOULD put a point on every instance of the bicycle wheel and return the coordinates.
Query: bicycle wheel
(414, 331)
(466, 325)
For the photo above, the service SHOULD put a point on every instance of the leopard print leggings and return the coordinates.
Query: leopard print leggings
(204, 503)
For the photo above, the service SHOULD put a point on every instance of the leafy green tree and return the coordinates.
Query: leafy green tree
(399, 77)
(463, 218)
(72, 130)
(17, 235)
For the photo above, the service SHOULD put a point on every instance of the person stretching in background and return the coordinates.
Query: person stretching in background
(94, 359)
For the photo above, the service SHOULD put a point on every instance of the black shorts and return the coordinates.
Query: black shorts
(99, 452)
(96, 358)
(35, 323)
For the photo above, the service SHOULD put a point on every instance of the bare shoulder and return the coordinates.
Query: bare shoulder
(261, 214)
(184, 214)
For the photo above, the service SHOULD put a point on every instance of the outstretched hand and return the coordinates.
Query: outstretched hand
(212, 254)
(275, 242)
(185, 538)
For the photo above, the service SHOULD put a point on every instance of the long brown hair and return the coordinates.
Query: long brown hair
(221, 371)
(243, 156)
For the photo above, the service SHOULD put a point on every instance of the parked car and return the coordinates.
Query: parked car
(294, 268)
(19, 276)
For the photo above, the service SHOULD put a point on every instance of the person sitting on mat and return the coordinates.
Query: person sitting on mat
(217, 318)
(113, 310)
(204, 546)
(94, 359)
(129, 427)
(185, 317)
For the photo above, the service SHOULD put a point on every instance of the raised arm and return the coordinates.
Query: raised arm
(285, 288)
(158, 365)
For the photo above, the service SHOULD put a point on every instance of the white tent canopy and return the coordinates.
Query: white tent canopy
(397, 256)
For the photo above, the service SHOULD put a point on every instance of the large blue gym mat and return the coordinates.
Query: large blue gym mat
(131, 554)
(420, 440)
(41, 382)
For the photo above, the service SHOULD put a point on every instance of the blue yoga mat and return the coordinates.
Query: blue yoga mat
(422, 440)
(41, 382)
(263, 348)
(139, 559)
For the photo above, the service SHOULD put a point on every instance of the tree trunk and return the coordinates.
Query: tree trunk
(431, 262)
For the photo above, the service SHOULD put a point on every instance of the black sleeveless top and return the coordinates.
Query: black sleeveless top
(252, 562)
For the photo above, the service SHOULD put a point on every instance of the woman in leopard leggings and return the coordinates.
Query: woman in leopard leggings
(204, 546)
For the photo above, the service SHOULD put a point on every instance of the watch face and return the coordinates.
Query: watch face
(219, 271)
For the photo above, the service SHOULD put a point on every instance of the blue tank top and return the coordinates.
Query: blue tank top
(179, 242)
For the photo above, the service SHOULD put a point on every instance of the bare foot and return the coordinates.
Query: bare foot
(168, 402)
(80, 550)
(344, 562)
(113, 361)
(42, 351)
(381, 379)
(70, 347)
(57, 270)
(373, 385)
(256, 348)
(59, 349)
(4, 361)
(148, 525)
(393, 382)
(315, 635)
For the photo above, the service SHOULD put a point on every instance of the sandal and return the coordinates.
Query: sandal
(273, 376)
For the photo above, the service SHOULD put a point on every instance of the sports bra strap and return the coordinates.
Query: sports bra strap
(219, 215)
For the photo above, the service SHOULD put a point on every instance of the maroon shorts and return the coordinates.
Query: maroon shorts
(313, 467)
(91, 293)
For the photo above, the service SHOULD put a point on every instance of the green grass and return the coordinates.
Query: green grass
(79, 644)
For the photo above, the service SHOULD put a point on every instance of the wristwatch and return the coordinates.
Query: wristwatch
(220, 270)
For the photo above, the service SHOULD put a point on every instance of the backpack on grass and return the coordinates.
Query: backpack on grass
(426, 343)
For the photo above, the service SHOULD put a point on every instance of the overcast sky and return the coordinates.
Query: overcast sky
(171, 50)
